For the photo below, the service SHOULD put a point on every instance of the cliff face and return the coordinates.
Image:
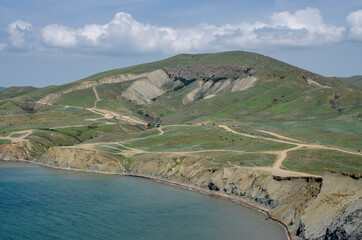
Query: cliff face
(13, 152)
(80, 159)
(311, 208)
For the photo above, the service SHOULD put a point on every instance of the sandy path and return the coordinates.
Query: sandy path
(278, 135)
(254, 136)
(133, 119)
(160, 130)
(299, 145)
(97, 97)
(107, 114)
(81, 125)
(21, 138)
(282, 154)
(25, 134)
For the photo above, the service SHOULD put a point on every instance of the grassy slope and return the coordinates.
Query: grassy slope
(282, 102)
(200, 138)
(262, 64)
(355, 80)
(49, 116)
(13, 92)
(316, 161)
(342, 133)
(267, 102)
(81, 98)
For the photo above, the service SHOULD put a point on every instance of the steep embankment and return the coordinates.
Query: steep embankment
(311, 208)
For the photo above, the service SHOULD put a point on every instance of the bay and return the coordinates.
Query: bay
(44, 203)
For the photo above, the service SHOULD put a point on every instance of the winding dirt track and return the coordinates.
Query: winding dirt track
(279, 136)
(97, 97)
(282, 154)
(23, 135)
(160, 130)
(106, 114)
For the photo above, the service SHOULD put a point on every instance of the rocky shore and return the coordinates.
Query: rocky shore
(310, 208)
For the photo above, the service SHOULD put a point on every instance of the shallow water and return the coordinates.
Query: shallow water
(43, 203)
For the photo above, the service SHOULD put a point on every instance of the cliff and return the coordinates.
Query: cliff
(310, 208)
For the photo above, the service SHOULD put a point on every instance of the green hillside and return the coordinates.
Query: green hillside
(247, 92)
(355, 80)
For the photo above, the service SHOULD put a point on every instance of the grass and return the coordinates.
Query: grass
(100, 133)
(107, 149)
(244, 160)
(261, 63)
(281, 102)
(42, 92)
(345, 133)
(13, 92)
(202, 138)
(81, 98)
(317, 161)
(289, 99)
(4, 141)
(127, 164)
(51, 138)
(49, 116)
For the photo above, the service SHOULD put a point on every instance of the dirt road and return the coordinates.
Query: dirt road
(282, 155)
(97, 97)
(20, 138)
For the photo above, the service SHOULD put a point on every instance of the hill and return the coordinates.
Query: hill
(204, 120)
(355, 80)
(12, 92)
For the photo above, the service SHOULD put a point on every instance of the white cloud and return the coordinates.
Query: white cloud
(92, 33)
(17, 31)
(123, 34)
(59, 36)
(304, 27)
(354, 19)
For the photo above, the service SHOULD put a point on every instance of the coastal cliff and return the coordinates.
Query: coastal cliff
(311, 208)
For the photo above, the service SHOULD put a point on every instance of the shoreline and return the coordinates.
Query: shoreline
(176, 184)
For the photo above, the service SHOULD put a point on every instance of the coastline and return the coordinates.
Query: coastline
(176, 184)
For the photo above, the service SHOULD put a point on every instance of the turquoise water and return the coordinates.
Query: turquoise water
(43, 203)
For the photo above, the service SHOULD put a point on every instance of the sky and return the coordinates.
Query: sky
(52, 42)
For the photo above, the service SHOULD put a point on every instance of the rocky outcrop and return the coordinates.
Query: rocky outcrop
(212, 72)
(146, 87)
(157, 78)
(153, 85)
(79, 159)
(13, 152)
(205, 90)
(206, 81)
(203, 82)
(348, 225)
(310, 208)
(337, 193)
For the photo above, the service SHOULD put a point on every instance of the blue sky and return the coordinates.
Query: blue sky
(46, 42)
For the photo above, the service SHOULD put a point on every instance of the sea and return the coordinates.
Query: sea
(43, 203)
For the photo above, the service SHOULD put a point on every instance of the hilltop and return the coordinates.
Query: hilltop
(230, 122)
